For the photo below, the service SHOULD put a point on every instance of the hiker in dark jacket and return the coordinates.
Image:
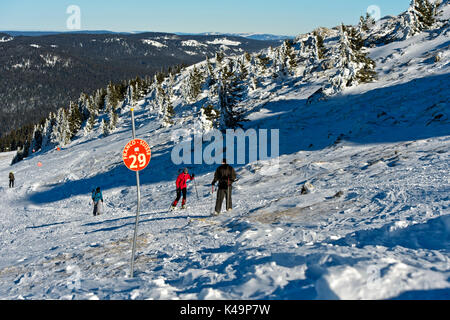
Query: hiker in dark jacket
(11, 180)
(97, 196)
(226, 176)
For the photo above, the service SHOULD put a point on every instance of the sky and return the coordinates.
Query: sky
(282, 17)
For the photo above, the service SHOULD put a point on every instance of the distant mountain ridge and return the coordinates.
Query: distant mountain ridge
(253, 36)
(49, 33)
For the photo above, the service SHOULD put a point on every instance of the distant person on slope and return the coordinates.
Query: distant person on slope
(11, 180)
(182, 188)
(97, 196)
(225, 175)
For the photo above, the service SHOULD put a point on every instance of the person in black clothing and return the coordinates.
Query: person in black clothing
(11, 180)
(225, 175)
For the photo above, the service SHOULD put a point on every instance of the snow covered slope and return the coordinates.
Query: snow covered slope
(374, 225)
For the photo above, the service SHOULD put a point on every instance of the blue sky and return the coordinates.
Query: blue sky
(288, 17)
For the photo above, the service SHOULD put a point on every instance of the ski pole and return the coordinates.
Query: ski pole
(212, 199)
(195, 185)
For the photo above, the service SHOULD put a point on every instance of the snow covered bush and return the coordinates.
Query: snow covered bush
(353, 64)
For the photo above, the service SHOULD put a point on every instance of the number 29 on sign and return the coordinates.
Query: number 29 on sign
(136, 155)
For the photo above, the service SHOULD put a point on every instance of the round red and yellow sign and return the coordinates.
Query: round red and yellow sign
(136, 155)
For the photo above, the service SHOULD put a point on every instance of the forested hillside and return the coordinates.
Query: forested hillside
(40, 74)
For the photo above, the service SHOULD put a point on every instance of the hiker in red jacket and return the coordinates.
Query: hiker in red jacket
(181, 188)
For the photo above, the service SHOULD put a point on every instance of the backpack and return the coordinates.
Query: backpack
(97, 196)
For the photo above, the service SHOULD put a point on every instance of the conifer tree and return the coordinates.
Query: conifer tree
(84, 103)
(311, 52)
(290, 55)
(366, 71)
(426, 13)
(61, 134)
(285, 60)
(113, 119)
(104, 127)
(171, 86)
(366, 23)
(209, 116)
(160, 98)
(92, 111)
(219, 57)
(47, 131)
(230, 92)
(116, 93)
(263, 62)
(100, 99)
(137, 85)
(354, 65)
(169, 113)
(165, 97)
(243, 71)
(90, 123)
(248, 57)
(75, 119)
(320, 45)
(195, 83)
(159, 78)
(421, 15)
(210, 78)
(111, 96)
(36, 139)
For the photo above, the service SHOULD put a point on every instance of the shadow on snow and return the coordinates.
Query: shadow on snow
(381, 115)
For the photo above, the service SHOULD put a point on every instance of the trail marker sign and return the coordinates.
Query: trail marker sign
(136, 155)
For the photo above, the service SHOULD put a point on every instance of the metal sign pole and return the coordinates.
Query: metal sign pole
(133, 251)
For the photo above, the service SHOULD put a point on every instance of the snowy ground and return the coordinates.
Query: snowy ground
(375, 226)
